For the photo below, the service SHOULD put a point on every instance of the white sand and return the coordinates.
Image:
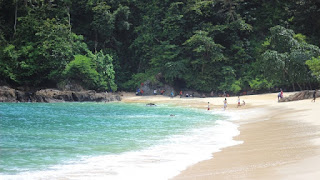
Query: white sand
(281, 140)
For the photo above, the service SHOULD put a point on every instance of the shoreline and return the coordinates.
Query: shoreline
(162, 160)
(276, 141)
(282, 141)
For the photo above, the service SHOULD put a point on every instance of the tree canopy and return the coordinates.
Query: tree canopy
(203, 45)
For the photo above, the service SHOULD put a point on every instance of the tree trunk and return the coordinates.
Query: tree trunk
(139, 66)
(69, 17)
(293, 87)
(299, 86)
(309, 85)
(96, 42)
(202, 69)
(15, 18)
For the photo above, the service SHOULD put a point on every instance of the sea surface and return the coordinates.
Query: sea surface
(107, 140)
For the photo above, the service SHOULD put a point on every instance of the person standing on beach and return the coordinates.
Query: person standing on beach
(208, 106)
(314, 96)
(225, 104)
(280, 95)
(172, 94)
(238, 102)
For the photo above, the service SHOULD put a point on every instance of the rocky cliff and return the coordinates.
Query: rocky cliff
(8, 94)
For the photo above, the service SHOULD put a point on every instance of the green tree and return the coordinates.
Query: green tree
(284, 60)
(314, 65)
(229, 83)
(205, 50)
(83, 70)
(103, 23)
(94, 71)
(259, 83)
(105, 68)
(197, 44)
(42, 46)
(205, 57)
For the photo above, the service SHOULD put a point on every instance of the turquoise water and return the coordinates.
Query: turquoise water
(38, 136)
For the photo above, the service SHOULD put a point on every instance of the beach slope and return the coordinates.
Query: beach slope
(280, 140)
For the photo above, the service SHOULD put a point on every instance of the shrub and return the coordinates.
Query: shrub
(82, 69)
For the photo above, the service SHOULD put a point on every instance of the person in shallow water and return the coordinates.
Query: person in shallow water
(225, 104)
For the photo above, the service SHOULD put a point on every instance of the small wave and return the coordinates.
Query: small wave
(161, 161)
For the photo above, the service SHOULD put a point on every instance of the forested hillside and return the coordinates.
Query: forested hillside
(203, 45)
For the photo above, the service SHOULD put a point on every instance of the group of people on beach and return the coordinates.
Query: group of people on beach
(139, 92)
(225, 103)
(186, 95)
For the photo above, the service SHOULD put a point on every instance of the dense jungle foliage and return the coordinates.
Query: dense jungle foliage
(203, 45)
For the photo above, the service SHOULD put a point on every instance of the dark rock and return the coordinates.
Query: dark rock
(300, 96)
(74, 97)
(151, 104)
(8, 94)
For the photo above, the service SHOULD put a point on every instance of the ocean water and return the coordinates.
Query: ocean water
(107, 140)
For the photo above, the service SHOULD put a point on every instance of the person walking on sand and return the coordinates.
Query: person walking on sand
(314, 96)
(225, 104)
(208, 106)
(238, 102)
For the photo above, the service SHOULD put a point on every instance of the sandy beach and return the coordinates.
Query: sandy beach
(280, 140)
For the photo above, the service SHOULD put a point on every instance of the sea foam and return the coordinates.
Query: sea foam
(158, 162)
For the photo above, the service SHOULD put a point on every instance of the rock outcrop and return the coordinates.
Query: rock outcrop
(300, 96)
(8, 94)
